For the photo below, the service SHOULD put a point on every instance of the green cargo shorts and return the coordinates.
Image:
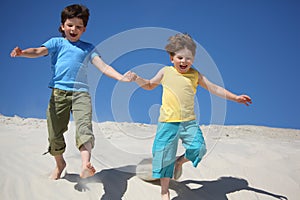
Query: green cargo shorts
(61, 104)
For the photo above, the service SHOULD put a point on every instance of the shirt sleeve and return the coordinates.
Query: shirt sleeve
(94, 53)
(51, 45)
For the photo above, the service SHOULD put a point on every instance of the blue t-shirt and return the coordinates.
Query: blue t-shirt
(69, 61)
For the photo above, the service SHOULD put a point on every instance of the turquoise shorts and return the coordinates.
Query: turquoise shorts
(166, 142)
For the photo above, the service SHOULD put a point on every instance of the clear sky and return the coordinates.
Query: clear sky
(250, 47)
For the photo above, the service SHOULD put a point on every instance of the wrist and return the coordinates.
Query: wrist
(119, 77)
(236, 98)
(138, 78)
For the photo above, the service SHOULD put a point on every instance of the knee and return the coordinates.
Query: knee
(196, 155)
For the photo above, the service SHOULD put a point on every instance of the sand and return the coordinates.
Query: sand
(242, 163)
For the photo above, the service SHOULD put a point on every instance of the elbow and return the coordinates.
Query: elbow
(146, 87)
(150, 86)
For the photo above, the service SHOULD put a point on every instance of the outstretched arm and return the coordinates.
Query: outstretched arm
(222, 92)
(29, 53)
(266, 193)
(111, 72)
(152, 83)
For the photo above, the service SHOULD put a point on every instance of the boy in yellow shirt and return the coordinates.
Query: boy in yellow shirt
(177, 117)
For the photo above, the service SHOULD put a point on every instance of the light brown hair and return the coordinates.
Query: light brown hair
(180, 41)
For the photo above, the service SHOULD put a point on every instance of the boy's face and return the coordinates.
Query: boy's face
(182, 60)
(73, 29)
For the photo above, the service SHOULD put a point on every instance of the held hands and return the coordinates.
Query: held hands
(129, 77)
(244, 99)
(16, 52)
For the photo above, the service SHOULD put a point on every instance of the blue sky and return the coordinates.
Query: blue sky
(254, 47)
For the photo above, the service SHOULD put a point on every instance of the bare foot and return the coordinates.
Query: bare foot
(58, 171)
(87, 171)
(165, 196)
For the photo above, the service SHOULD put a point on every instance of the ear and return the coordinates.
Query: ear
(84, 29)
(171, 58)
(62, 27)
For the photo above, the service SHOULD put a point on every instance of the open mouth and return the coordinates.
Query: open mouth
(183, 67)
(73, 34)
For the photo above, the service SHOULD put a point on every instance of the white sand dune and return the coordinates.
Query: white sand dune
(242, 163)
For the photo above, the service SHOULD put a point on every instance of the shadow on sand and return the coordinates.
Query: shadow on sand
(214, 189)
(115, 182)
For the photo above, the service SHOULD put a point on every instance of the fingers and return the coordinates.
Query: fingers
(16, 52)
(245, 99)
(129, 76)
(134, 76)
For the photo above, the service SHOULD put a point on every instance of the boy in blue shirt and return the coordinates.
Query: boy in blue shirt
(69, 59)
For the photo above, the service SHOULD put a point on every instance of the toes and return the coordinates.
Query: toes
(88, 171)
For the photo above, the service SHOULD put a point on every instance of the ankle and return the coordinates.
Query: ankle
(60, 161)
(62, 165)
(165, 196)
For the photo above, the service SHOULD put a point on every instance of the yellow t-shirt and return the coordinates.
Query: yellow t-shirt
(178, 95)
